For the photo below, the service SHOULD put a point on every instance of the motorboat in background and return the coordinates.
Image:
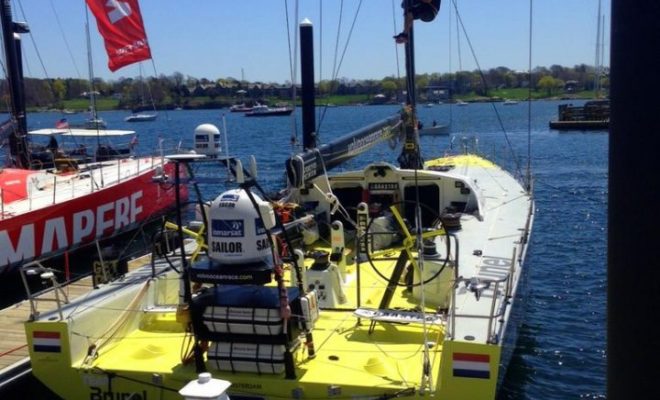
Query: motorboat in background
(240, 108)
(435, 130)
(141, 117)
(262, 110)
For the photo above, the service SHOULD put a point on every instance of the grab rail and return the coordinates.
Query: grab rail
(477, 286)
(46, 274)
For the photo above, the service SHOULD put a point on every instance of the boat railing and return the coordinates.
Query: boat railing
(48, 276)
(36, 199)
(502, 291)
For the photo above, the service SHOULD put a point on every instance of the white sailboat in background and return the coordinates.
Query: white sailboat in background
(94, 121)
(141, 116)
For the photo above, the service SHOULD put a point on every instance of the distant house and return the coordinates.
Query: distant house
(571, 86)
(379, 99)
(437, 93)
(86, 94)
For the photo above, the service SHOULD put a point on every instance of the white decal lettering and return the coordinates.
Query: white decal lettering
(54, 230)
(101, 223)
(121, 213)
(135, 209)
(24, 249)
(83, 225)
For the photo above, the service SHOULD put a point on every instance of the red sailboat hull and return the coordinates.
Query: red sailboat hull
(85, 217)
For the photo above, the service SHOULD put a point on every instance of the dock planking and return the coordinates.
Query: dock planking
(13, 342)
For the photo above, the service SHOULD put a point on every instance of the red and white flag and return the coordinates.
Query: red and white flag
(120, 24)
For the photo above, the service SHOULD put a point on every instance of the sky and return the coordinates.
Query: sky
(248, 39)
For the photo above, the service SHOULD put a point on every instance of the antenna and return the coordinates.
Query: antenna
(253, 167)
(240, 178)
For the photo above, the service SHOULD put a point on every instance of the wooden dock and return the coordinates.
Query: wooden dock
(14, 354)
(13, 344)
(580, 125)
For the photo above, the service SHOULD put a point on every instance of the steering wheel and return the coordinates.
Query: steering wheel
(409, 245)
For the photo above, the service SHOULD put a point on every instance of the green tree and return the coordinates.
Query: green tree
(388, 87)
(59, 91)
(547, 83)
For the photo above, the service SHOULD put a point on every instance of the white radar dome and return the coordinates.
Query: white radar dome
(207, 140)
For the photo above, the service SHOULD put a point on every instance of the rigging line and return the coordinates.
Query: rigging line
(348, 39)
(335, 72)
(36, 50)
(449, 51)
(6, 98)
(529, 103)
(151, 97)
(459, 20)
(320, 113)
(335, 69)
(396, 48)
(458, 38)
(292, 68)
(66, 42)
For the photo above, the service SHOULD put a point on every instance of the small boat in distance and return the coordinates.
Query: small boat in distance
(461, 103)
(240, 108)
(137, 114)
(509, 102)
(593, 115)
(265, 111)
(140, 117)
(435, 130)
(93, 123)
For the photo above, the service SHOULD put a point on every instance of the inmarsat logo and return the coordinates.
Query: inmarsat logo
(120, 9)
(227, 228)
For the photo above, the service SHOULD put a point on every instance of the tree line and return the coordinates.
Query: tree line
(174, 90)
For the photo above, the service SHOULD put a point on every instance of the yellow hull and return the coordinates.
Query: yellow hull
(350, 362)
(100, 352)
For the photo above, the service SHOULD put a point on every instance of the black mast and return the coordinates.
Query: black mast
(307, 81)
(10, 31)
(315, 160)
(633, 281)
(410, 156)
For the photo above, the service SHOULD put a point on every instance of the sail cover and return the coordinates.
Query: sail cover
(120, 24)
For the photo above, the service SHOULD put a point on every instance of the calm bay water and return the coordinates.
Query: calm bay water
(561, 348)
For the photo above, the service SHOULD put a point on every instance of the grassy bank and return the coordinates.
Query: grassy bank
(107, 104)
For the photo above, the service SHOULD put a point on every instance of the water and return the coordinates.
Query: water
(561, 349)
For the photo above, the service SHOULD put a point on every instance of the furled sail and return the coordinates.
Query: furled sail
(120, 24)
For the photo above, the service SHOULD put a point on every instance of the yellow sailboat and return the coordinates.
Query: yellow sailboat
(378, 283)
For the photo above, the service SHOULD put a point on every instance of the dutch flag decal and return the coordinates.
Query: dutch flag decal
(468, 365)
(48, 342)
